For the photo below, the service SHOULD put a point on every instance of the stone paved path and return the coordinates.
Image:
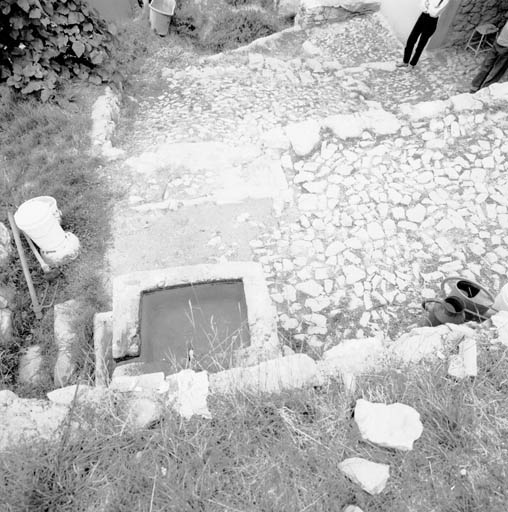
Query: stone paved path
(370, 225)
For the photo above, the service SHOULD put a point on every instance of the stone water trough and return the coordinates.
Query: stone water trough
(200, 317)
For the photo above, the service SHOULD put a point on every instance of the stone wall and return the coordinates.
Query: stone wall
(315, 12)
(471, 13)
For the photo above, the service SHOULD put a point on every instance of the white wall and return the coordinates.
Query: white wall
(402, 15)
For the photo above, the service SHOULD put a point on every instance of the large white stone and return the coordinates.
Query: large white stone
(352, 508)
(370, 476)
(465, 101)
(395, 426)
(310, 49)
(500, 321)
(353, 357)
(499, 91)
(142, 411)
(426, 343)
(68, 394)
(312, 288)
(30, 365)
(5, 326)
(353, 274)
(283, 374)
(5, 245)
(66, 339)
(425, 109)
(345, 126)
(416, 214)
(381, 122)
(188, 393)
(26, 420)
(304, 137)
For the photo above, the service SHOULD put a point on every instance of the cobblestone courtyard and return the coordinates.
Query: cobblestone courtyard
(352, 235)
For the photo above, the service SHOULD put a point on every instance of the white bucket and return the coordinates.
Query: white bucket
(161, 12)
(67, 251)
(37, 219)
(51, 202)
(501, 302)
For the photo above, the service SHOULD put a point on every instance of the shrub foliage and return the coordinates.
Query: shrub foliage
(219, 25)
(43, 42)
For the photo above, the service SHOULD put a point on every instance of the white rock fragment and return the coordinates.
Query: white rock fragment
(304, 137)
(353, 357)
(465, 101)
(353, 274)
(274, 376)
(188, 393)
(424, 109)
(370, 476)
(416, 214)
(310, 287)
(424, 343)
(500, 321)
(395, 426)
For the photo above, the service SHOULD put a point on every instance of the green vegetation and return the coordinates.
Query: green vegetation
(45, 149)
(224, 25)
(280, 453)
(45, 42)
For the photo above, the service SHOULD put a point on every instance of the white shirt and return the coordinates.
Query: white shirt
(434, 7)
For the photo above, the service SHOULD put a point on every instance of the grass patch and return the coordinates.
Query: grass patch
(281, 453)
(45, 150)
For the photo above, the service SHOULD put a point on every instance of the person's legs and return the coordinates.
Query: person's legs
(485, 68)
(498, 68)
(413, 37)
(428, 30)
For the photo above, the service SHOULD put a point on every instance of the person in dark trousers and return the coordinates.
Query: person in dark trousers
(422, 31)
(495, 63)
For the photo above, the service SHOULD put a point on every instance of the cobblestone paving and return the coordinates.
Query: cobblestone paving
(376, 223)
(380, 223)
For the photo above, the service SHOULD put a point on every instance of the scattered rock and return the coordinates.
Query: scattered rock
(5, 245)
(353, 357)
(395, 426)
(23, 420)
(370, 476)
(283, 374)
(66, 339)
(424, 109)
(188, 393)
(424, 343)
(5, 326)
(465, 101)
(30, 365)
(311, 288)
(304, 137)
(500, 321)
(142, 412)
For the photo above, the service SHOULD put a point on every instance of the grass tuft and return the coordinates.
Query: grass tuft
(281, 452)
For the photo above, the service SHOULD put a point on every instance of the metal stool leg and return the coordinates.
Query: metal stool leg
(478, 48)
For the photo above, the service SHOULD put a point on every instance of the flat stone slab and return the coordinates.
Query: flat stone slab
(223, 173)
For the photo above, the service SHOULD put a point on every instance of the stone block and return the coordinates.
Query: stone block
(103, 347)
(66, 340)
(30, 365)
(5, 326)
(275, 376)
